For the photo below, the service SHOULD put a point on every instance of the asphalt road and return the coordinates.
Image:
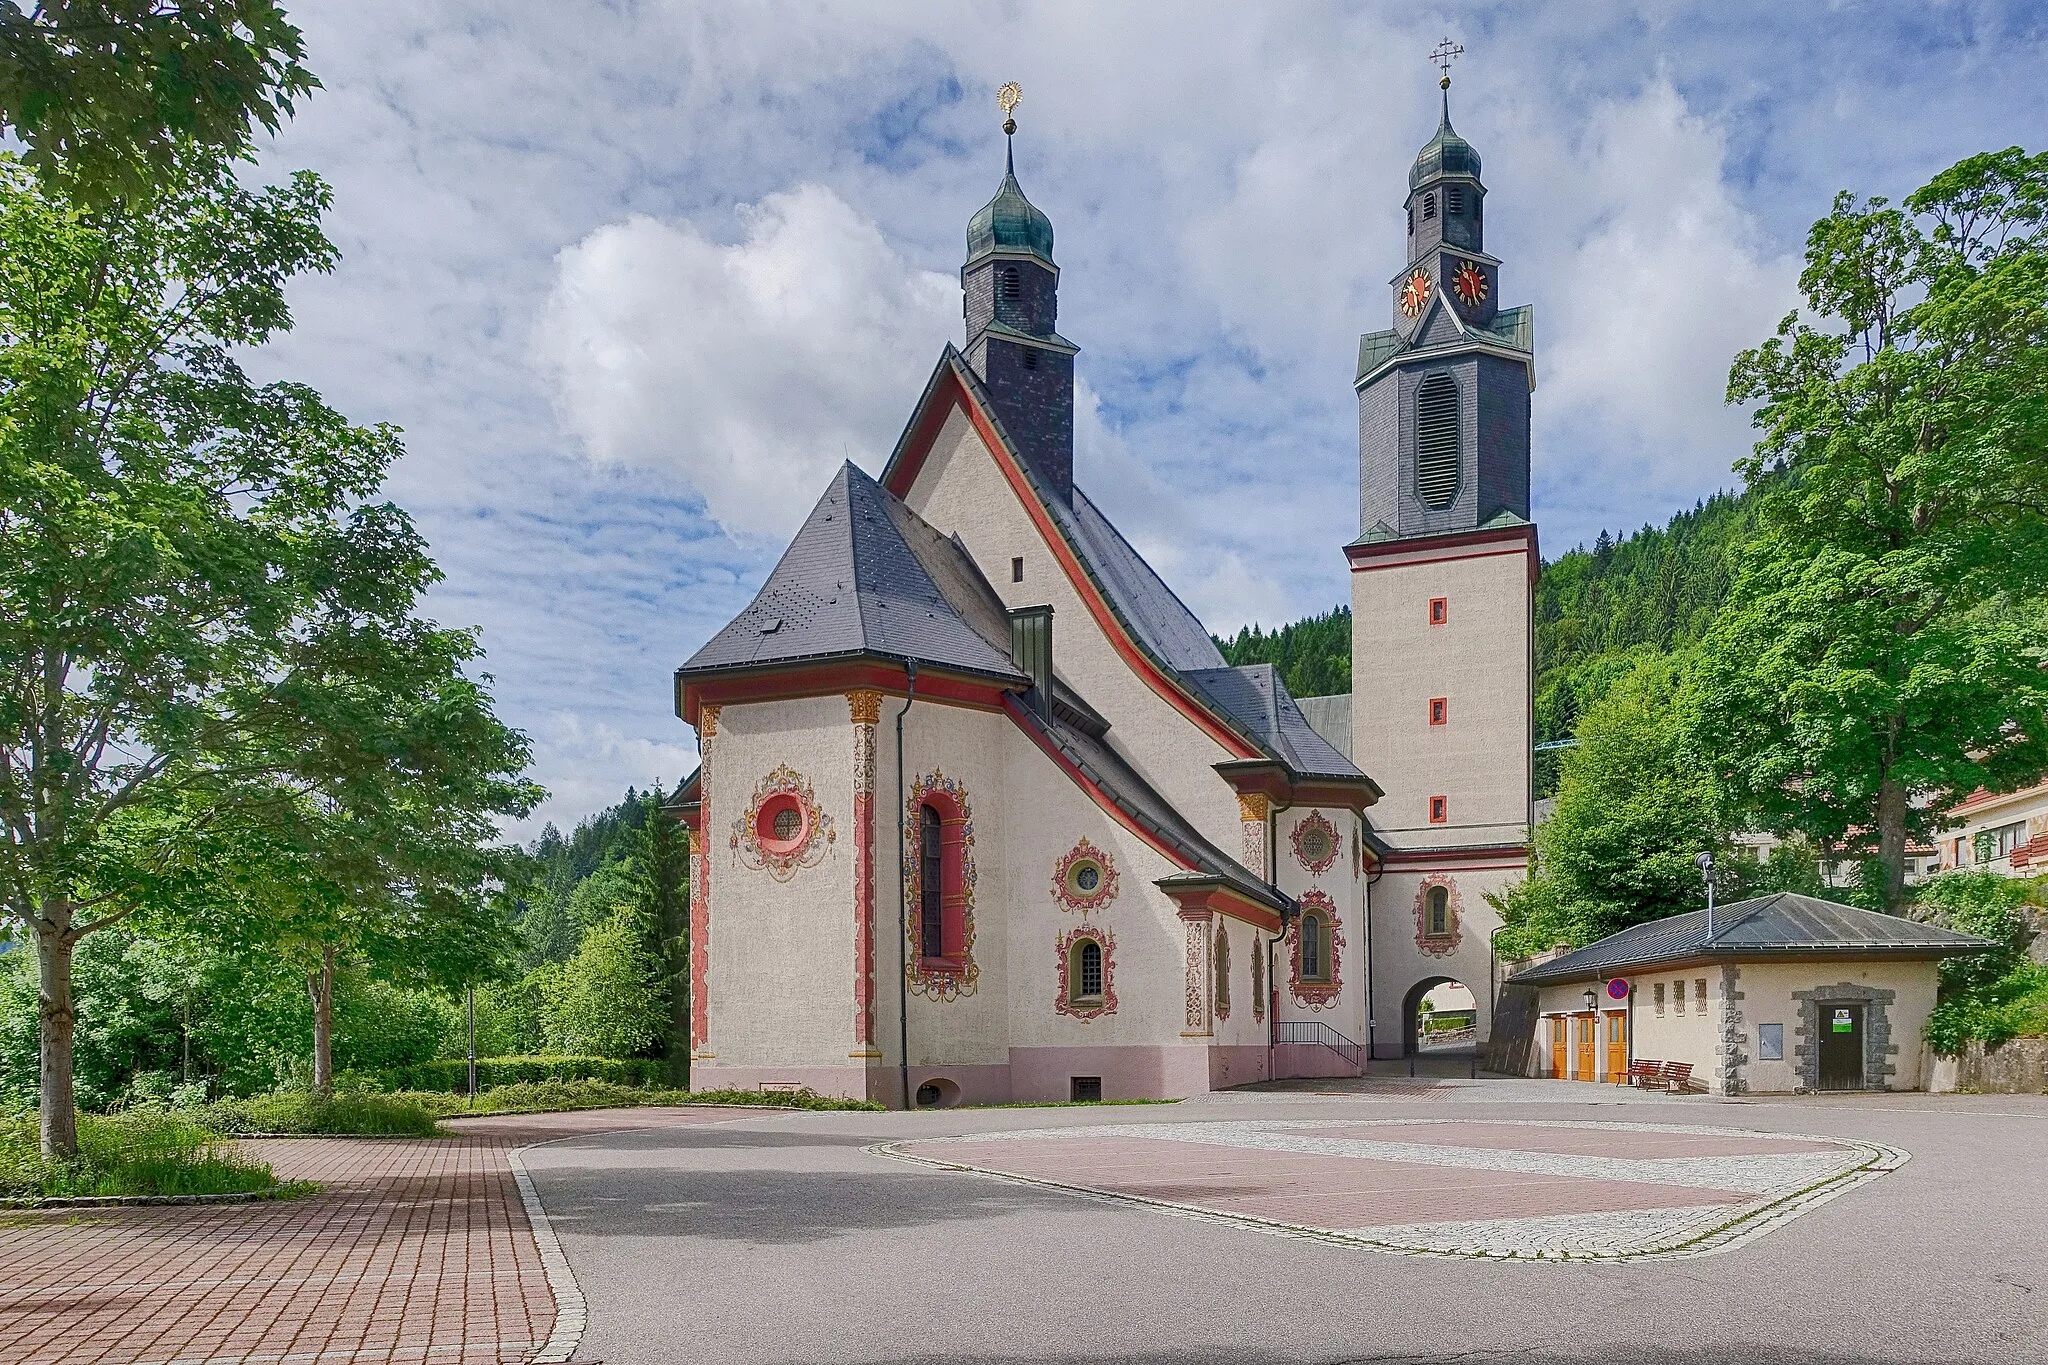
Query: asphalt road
(780, 1239)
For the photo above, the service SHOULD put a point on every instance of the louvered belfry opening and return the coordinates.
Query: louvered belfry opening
(1436, 442)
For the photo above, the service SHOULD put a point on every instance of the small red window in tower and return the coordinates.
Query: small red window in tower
(1439, 810)
(1439, 710)
(1439, 610)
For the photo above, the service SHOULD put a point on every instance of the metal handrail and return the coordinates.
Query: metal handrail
(1313, 1033)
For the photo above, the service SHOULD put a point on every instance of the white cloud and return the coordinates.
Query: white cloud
(751, 369)
(587, 765)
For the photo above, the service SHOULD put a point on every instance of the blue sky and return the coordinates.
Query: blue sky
(635, 277)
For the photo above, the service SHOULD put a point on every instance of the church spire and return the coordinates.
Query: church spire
(1012, 304)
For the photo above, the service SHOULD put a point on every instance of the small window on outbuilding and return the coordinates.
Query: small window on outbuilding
(1678, 998)
(1658, 995)
(1699, 995)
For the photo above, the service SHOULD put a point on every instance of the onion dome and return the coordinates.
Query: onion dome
(1009, 223)
(1444, 154)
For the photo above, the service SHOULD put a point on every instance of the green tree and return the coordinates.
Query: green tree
(1879, 657)
(602, 1001)
(202, 607)
(663, 860)
(1636, 803)
(106, 93)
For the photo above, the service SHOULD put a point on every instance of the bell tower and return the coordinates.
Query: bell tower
(1442, 585)
(1011, 303)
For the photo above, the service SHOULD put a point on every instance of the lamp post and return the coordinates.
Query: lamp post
(1705, 863)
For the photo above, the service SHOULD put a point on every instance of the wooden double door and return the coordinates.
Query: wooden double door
(1592, 1046)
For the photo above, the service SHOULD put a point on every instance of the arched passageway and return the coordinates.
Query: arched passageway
(1439, 1014)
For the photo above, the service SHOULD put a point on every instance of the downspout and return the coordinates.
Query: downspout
(1271, 872)
(903, 893)
(1372, 1019)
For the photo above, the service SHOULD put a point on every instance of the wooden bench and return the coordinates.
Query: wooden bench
(1651, 1075)
(1644, 1074)
(1677, 1077)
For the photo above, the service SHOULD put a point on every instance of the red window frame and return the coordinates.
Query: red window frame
(1439, 810)
(1439, 610)
(1439, 711)
(952, 952)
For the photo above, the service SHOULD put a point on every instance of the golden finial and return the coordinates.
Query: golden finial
(1443, 55)
(1008, 96)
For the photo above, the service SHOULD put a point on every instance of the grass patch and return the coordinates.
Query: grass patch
(137, 1152)
(540, 1097)
(353, 1113)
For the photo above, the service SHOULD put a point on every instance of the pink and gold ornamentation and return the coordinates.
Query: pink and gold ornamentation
(1316, 843)
(1084, 878)
(1222, 968)
(865, 709)
(1252, 808)
(1086, 1007)
(1446, 943)
(783, 828)
(700, 891)
(1198, 975)
(1258, 979)
(955, 974)
(1317, 995)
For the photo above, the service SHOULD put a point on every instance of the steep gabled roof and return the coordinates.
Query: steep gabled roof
(1775, 926)
(1255, 695)
(864, 576)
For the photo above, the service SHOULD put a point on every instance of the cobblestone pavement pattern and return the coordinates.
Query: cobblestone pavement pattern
(1496, 1188)
(415, 1251)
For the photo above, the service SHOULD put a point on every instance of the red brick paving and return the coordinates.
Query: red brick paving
(1609, 1142)
(416, 1251)
(1311, 1190)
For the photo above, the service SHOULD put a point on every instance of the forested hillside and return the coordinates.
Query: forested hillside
(1596, 609)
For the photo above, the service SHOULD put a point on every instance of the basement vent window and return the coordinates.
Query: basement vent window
(1085, 1089)
(1436, 442)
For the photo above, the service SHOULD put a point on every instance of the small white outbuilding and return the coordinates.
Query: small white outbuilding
(1782, 994)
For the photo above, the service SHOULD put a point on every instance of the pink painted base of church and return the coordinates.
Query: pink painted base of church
(1032, 1074)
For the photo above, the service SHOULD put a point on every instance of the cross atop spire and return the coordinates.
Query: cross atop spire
(1442, 55)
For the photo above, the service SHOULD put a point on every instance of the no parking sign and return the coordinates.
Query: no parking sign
(1617, 989)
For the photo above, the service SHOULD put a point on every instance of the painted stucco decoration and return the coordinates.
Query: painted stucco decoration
(1198, 975)
(1222, 970)
(1086, 1009)
(956, 976)
(864, 709)
(1317, 995)
(1252, 808)
(1258, 979)
(753, 846)
(1316, 843)
(700, 893)
(1439, 945)
(1084, 878)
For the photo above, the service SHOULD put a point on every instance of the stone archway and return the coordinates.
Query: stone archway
(1448, 997)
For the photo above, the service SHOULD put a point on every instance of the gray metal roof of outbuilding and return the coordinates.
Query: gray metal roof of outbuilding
(863, 576)
(1776, 926)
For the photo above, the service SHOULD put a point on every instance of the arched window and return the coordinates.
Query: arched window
(1428, 206)
(930, 884)
(1436, 441)
(1439, 911)
(1314, 957)
(1013, 282)
(1087, 970)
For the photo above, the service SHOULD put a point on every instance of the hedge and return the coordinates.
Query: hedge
(452, 1077)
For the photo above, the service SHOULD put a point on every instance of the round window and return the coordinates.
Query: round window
(788, 824)
(780, 825)
(1315, 844)
(1084, 879)
(1088, 877)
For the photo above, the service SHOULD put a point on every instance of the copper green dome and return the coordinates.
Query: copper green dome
(1444, 154)
(1009, 222)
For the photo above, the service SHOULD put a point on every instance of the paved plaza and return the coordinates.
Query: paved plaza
(1531, 1222)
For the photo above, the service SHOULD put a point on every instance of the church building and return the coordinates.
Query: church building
(983, 814)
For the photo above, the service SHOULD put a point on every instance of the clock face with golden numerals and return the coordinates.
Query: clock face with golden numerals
(1470, 282)
(1414, 294)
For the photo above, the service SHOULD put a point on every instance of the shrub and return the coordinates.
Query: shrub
(1993, 995)
(556, 1096)
(602, 1000)
(146, 1151)
(298, 1111)
(453, 1076)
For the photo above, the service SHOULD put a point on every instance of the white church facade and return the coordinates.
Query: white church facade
(983, 814)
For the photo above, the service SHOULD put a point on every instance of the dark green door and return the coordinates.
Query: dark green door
(1841, 1045)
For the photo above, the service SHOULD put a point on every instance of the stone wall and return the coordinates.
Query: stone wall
(2017, 1067)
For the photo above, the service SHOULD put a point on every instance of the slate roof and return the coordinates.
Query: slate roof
(1259, 701)
(1775, 926)
(1159, 619)
(1138, 799)
(866, 575)
(1331, 717)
